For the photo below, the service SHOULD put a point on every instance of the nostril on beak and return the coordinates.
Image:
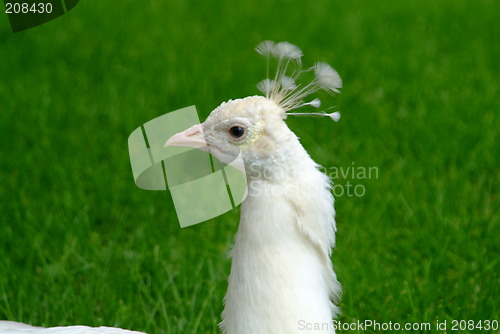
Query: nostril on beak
(192, 137)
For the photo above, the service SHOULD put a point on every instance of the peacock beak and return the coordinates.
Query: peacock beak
(192, 137)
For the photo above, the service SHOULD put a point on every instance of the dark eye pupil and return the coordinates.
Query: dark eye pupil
(237, 131)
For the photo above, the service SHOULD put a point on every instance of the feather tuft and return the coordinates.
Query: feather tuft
(335, 116)
(266, 47)
(328, 78)
(316, 103)
(287, 83)
(266, 86)
(285, 50)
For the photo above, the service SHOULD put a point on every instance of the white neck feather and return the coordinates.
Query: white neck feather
(281, 278)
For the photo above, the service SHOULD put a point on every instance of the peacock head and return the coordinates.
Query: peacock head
(254, 126)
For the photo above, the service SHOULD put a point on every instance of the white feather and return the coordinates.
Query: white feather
(286, 50)
(265, 47)
(266, 86)
(11, 327)
(287, 83)
(316, 103)
(328, 78)
(335, 116)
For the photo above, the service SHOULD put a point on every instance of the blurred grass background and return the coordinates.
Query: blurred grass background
(80, 244)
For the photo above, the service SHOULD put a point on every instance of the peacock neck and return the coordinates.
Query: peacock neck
(281, 277)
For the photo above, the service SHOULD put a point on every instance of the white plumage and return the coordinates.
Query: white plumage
(281, 272)
(8, 327)
(281, 279)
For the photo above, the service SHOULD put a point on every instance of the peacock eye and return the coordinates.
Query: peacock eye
(237, 131)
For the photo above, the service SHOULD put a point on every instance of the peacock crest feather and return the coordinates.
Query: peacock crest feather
(285, 90)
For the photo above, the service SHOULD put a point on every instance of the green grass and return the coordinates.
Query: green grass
(80, 244)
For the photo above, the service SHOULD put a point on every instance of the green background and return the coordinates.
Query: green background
(81, 244)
